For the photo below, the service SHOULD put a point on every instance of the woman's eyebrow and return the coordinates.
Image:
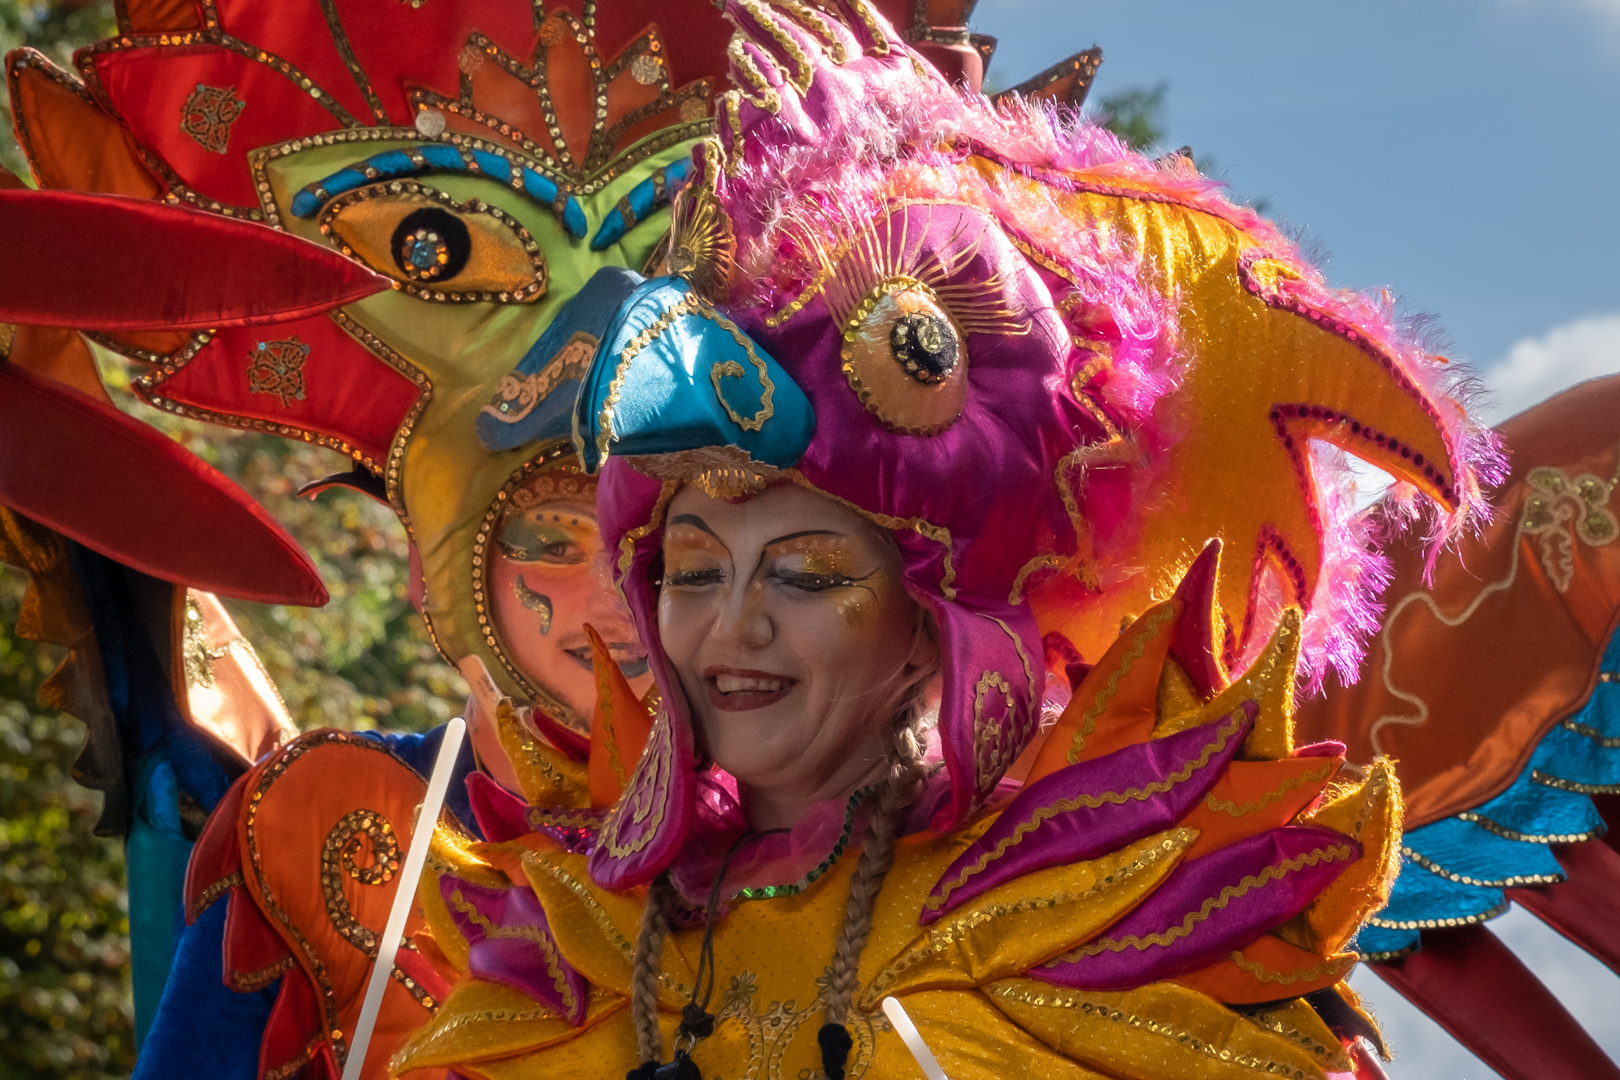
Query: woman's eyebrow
(795, 536)
(696, 523)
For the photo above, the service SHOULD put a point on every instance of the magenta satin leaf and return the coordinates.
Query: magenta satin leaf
(509, 942)
(1094, 807)
(1208, 907)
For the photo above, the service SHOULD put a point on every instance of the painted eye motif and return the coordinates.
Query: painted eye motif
(431, 245)
(905, 358)
(434, 247)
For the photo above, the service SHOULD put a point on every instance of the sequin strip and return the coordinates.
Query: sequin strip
(1053, 999)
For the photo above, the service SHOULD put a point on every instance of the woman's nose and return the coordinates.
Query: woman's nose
(743, 619)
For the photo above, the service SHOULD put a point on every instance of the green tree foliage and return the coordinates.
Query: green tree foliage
(55, 29)
(1136, 115)
(64, 932)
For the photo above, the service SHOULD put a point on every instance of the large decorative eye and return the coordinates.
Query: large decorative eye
(434, 247)
(905, 358)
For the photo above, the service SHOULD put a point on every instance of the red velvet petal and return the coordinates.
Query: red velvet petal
(215, 857)
(118, 487)
(203, 107)
(1475, 988)
(293, 1033)
(1582, 907)
(254, 953)
(118, 263)
(308, 376)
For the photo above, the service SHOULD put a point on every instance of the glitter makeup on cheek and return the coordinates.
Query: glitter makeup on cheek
(537, 602)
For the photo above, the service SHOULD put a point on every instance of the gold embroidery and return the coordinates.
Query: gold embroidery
(644, 797)
(764, 18)
(1557, 499)
(599, 915)
(1537, 517)
(1149, 630)
(1223, 735)
(1266, 975)
(627, 542)
(532, 934)
(993, 747)
(735, 370)
(1292, 783)
(1211, 904)
(1038, 563)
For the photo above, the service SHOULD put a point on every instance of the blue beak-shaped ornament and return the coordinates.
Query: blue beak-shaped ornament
(673, 374)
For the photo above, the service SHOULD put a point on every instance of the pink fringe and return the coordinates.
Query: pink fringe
(911, 142)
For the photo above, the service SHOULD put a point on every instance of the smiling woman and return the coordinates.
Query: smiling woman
(803, 657)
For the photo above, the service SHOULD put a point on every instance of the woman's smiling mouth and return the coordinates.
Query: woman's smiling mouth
(739, 690)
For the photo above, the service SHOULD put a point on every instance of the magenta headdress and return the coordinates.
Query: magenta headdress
(1017, 346)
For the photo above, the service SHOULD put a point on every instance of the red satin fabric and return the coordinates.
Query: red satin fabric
(1582, 907)
(1475, 988)
(105, 262)
(120, 488)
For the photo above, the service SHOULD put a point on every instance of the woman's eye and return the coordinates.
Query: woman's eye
(807, 582)
(693, 579)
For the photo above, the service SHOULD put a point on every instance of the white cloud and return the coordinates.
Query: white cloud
(1537, 367)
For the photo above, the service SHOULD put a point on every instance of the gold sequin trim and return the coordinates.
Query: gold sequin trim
(1463, 879)
(1057, 999)
(686, 305)
(1339, 964)
(926, 529)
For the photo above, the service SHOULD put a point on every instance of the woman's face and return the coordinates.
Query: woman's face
(550, 577)
(786, 620)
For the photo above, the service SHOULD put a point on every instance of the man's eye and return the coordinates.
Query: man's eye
(564, 552)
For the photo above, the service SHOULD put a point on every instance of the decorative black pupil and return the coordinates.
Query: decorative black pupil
(431, 245)
(925, 345)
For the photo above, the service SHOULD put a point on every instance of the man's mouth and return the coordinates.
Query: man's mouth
(732, 690)
(633, 664)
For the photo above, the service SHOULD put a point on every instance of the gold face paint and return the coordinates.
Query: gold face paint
(830, 555)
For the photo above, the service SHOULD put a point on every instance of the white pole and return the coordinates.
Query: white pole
(914, 1042)
(388, 944)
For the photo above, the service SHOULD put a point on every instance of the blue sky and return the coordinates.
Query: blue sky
(1459, 152)
(1466, 154)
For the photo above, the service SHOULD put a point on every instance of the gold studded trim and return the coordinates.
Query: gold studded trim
(548, 457)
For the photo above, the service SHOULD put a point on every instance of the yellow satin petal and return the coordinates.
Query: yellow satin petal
(1371, 815)
(547, 776)
(484, 1020)
(973, 1041)
(1157, 1032)
(1025, 922)
(1269, 683)
(596, 930)
(1299, 1023)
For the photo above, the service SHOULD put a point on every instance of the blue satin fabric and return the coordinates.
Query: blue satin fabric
(508, 422)
(672, 374)
(1454, 872)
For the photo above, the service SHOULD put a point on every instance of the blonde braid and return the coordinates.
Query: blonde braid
(644, 974)
(877, 856)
